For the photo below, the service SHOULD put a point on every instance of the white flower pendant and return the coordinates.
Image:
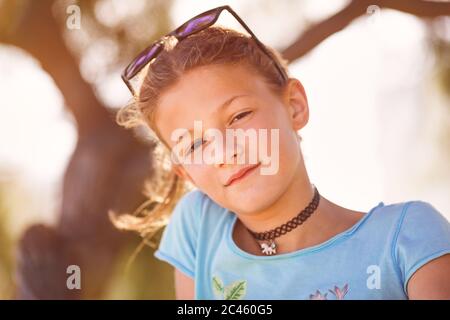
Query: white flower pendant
(269, 248)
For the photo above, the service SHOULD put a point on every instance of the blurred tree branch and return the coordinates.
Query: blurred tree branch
(320, 31)
(38, 34)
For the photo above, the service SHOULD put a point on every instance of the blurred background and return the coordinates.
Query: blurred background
(377, 76)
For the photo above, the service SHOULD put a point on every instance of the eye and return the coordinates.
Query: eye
(240, 116)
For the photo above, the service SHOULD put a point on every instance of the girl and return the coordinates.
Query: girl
(246, 233)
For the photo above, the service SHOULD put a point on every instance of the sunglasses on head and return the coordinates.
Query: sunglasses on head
(192, 26)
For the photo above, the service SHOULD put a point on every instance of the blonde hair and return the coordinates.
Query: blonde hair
(214, 45)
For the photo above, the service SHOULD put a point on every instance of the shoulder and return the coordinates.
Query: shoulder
(191, 199)
(412, 223)
(185, 216)
(193, 221)
(401, 216)
(421, 217)
(422, 235)
(190, 204)
(420, 226)
(196, 206)
(413, 229)
(179, 240)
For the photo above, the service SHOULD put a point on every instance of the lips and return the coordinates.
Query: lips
(241, 174)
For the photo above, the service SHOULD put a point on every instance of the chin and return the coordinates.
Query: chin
(253, 197)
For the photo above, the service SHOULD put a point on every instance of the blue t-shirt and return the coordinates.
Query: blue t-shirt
(373, 259)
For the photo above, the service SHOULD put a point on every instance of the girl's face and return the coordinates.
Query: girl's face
(196, 102)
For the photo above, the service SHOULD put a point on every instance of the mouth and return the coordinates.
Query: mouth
(241, 174)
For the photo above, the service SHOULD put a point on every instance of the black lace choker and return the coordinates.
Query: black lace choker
(268, 246)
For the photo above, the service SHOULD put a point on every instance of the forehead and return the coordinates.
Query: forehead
(199, 92)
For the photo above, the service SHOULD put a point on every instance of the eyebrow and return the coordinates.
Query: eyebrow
(227, 102)
(220, 108)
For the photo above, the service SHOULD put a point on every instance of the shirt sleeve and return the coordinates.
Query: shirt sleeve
(179, 239)
(423, 234)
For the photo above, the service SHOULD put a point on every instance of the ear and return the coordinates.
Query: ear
(297, 103)
(181, 172)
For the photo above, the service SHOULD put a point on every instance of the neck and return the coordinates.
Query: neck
(297, 196)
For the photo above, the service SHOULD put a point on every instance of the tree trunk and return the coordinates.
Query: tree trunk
(106, 171)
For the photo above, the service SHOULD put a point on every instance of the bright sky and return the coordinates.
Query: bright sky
(366, 89)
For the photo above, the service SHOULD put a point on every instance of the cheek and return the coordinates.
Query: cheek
(289, 147)
(284, 142)
(202, 175)
(285, 150)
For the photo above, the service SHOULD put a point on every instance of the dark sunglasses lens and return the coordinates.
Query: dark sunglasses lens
(197, 24)
(141, 60)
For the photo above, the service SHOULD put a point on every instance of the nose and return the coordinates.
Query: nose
(228, 155)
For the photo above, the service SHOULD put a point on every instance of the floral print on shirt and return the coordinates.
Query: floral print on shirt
(238, 289)
(233, 291)
(337, 292)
